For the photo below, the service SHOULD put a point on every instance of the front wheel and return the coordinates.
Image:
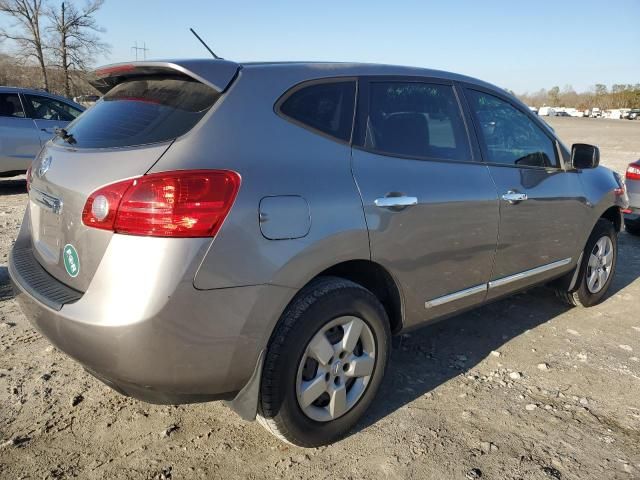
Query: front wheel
(597, 267)
(324, 363)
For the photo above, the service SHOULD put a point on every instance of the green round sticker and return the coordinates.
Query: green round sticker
(71, 260)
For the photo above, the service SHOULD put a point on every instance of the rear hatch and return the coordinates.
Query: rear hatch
(146, 106)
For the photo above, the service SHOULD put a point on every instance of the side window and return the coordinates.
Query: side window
(417, 120)
(510, 136)
(10, 105)
(45, 108)
(327, 107)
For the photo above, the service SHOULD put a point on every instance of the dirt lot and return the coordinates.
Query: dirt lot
(525, 388)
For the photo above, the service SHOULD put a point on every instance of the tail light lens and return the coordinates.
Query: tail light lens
(633, 172)
(189, 203)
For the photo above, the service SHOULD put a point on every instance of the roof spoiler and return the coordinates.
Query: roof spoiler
(218, 74)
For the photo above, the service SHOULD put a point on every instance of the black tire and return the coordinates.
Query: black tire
(632, 226)
(580, 295)
(314, 307)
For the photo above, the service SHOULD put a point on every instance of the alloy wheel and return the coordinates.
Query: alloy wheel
(600, 264)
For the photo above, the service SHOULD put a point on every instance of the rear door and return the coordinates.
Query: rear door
(542, 206)
(48, 114)
(120, 138)
(430, 205)
(19, 139)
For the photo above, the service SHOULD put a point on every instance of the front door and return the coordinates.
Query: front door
(541, 204)
(430, 205)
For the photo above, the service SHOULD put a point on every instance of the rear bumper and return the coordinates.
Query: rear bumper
(183, 346)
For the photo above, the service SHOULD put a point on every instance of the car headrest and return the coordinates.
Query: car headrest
(404, 133)
(7, 109)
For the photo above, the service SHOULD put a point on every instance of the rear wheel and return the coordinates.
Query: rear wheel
(324, 363)
(597, 267)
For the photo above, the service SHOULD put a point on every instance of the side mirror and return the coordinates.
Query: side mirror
(584, 156)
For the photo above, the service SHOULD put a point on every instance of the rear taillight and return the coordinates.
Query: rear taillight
(188, 203)
(633, 172)
(29, 177)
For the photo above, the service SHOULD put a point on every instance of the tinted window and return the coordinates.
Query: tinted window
(510, 136)
(44, 108)
(143, 111)
(416, 119)
(10, 105)
(327, 107)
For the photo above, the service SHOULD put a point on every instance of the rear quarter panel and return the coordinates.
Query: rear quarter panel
(274, 157)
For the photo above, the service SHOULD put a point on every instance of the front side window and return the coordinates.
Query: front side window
(327, 107)
(510, 136)
(45, 108)
(417, 120)
(10, 105)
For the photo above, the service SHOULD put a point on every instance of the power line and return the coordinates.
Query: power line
(142, 49)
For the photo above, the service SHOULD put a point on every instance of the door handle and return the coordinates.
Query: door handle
(395, 202)
(514, 197)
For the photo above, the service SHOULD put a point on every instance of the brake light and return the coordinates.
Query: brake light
(104, 72)
(633, 172)
(29, 178)
(189, 203)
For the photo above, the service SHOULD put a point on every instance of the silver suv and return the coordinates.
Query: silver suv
(258, 232)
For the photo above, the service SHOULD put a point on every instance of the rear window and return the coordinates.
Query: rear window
(327, 107)
(416, 119)
(142, 111)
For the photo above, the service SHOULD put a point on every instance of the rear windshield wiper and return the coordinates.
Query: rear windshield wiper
(64, 135)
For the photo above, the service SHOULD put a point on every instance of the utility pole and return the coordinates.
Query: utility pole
(142, 49)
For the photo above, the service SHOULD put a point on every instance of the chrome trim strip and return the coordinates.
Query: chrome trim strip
(46, 201)
(529, 273)
(456, 296)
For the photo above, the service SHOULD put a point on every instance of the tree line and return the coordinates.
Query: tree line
(61, 40)
(601, 96)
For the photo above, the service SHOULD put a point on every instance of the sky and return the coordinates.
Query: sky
(520, 45)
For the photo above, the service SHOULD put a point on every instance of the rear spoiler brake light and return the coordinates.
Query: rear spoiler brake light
(218, 74)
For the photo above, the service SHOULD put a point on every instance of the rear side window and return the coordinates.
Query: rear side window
(327, 107)
(416, 119)
(10, 105)
(142, 111)
(509, 135)
(45, 108)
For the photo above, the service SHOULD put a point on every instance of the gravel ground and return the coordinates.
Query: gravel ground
(525, 388)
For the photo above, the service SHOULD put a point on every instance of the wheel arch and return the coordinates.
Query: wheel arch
(377, 279)
(614, 215)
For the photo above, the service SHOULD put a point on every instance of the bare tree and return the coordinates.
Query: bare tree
(76, 44)
(26, 32)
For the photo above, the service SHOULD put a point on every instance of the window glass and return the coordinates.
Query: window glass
(10, 105)
(142, 111)
(510, 136)
(327, 107)
(416, 119)
(45, 108)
